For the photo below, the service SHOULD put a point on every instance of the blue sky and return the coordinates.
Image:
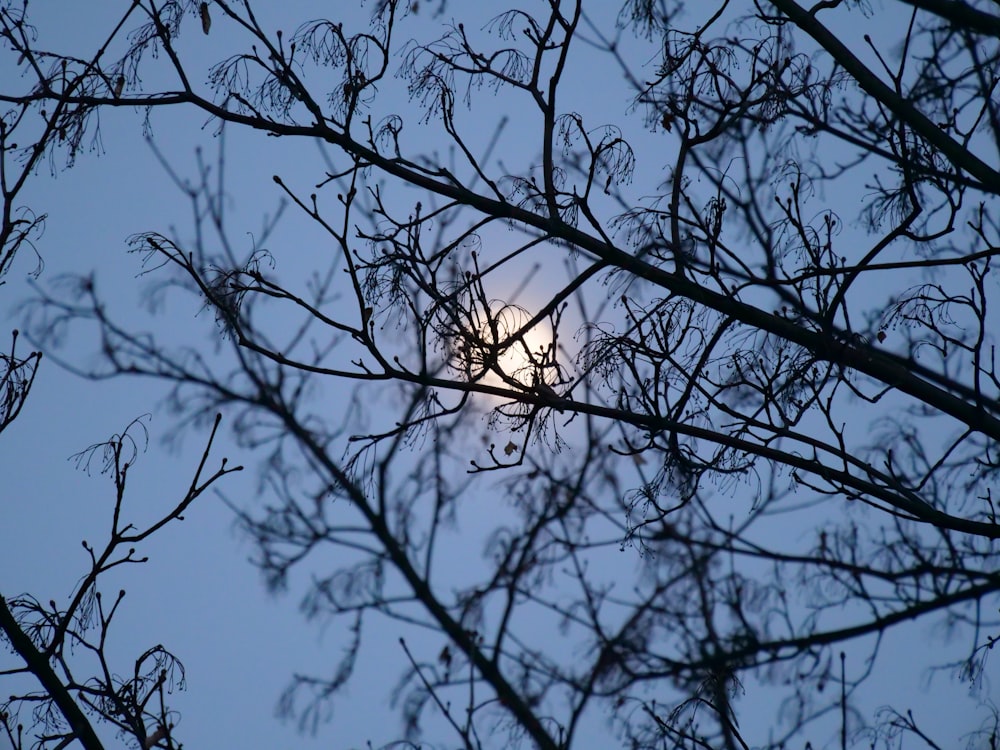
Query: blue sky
(197, 594)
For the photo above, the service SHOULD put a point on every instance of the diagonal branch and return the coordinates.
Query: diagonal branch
(39, 666)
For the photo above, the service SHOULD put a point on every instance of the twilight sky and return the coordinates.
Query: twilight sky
(197, 594)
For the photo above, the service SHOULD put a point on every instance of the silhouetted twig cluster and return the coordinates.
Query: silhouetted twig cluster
(733, 317)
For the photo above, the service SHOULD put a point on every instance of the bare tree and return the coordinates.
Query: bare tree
(19, 227)
(75, 686)
(61, 685)
(738, 325)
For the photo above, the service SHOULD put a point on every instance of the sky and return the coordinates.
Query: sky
(197, 594)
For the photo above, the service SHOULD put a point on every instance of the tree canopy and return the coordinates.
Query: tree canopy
(642, 355)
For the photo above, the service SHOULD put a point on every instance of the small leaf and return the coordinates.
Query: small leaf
(510, 448)
(155, 737)
(206, 19)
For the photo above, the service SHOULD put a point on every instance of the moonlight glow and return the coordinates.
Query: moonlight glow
(498, 349)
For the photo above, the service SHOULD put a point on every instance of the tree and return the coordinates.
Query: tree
(742, 332)
(60, 676)
(65, 650)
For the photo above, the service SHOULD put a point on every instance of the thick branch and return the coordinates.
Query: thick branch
(958, 155)
(40, 667)
(960, 14)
